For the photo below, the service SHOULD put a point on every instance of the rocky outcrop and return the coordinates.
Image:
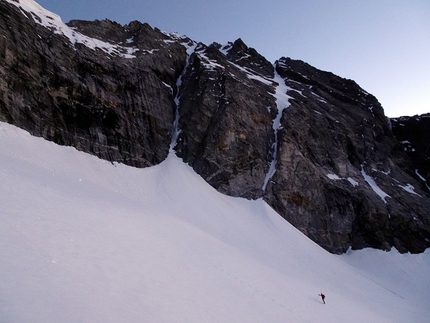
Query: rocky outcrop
(315, 146)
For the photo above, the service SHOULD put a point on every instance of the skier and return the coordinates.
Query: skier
(322, 297)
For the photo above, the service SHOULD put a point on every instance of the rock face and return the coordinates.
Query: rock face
(342, 177)
(315, 146)
(114, 107)
(413, 133)
(225, 119)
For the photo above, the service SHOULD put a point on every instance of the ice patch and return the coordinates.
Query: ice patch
(319, 98)
(252, 75)
(353, 182)
(422, 178)
(409, 188)
(374, 186)
(208, 63)
(226, 49)
(333, 177)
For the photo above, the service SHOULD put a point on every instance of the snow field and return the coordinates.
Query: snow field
(85, 240)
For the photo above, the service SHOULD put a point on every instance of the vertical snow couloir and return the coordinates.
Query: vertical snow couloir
(282, 103)
(176, 130)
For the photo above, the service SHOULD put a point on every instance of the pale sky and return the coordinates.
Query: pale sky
(383, 45)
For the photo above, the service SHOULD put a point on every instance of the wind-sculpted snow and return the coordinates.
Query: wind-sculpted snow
(85, 240)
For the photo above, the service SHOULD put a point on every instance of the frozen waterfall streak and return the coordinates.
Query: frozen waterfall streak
(176, 130)
(281, 103)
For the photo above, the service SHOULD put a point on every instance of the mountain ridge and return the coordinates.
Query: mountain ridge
(319, 153)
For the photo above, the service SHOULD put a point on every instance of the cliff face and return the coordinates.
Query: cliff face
(225, 118)
(115, 107)
(340, 169)
(315, 146)
(413, 133)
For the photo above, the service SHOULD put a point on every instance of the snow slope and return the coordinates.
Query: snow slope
(85, 240)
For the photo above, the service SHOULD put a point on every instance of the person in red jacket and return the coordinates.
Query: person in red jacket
(322, 297)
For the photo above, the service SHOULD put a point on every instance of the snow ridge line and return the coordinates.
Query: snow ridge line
(282, 102)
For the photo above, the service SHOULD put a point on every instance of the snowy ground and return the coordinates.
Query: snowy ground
(84, 240)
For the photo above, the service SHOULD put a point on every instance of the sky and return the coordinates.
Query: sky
(86, 240)
(382, 45)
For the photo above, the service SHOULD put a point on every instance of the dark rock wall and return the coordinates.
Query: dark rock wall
(116, 108)
(226, 124)
(333, 127)
(414, 135)
(342, 177)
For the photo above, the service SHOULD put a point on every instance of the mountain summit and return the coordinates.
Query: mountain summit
(316, 147)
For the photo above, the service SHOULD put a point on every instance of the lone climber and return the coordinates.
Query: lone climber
(322, 297)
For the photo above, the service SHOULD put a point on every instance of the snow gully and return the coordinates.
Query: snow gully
(176, 130)
(282, 102)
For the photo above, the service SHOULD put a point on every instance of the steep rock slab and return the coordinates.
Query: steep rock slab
(338, 178)
(110, 95)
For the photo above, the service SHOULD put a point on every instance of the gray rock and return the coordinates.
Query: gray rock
(226, 124)
(120, 109)
(335, 129)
